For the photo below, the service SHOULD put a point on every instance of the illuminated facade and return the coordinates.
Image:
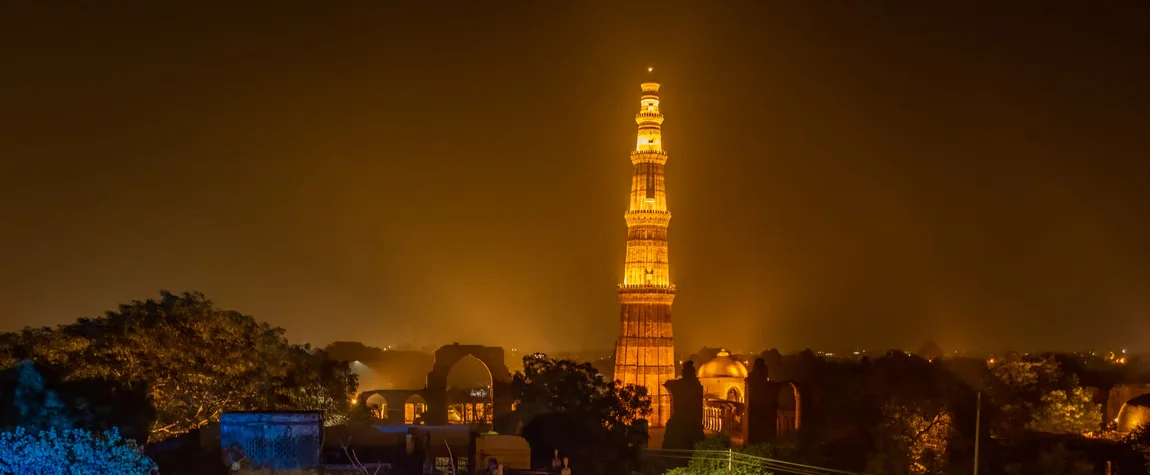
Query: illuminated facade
(645, 350)
(727, 401)
(724, 383)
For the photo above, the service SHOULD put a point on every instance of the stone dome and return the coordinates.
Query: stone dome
(723, 366)
(1134, 413)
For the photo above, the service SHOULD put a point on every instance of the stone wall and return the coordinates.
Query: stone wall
(1118, 395)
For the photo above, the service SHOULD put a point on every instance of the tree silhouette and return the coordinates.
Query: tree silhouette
(195, 361)
(570, 407)
(38, 408)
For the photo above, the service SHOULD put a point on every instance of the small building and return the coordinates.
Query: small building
(1134, 413)
(725, 400)
(724, 381)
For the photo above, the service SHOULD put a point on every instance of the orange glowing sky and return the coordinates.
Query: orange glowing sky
(841, 174)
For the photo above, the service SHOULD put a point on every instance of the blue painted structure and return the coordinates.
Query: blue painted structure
(274, 440)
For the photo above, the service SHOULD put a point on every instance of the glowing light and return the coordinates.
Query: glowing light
(650, 69)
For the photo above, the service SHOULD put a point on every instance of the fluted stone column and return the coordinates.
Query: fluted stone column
(645, 350)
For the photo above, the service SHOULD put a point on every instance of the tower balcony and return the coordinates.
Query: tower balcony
(648, 156)
(649, 117)
(646, 294)
(643, 217)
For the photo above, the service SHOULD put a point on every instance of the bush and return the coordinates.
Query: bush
(72, 452)
(718, 456)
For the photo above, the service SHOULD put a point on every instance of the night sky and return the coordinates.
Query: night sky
(842, 173)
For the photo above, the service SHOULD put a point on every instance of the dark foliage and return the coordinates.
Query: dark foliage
(175, 364)
(570, 407)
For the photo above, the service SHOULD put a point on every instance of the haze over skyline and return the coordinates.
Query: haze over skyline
(389, 174)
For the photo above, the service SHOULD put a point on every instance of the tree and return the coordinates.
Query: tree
(913, 439)
(568, 406)
(195, 361)
(38, 408)
(773, 358)
(44, 442)
(354, 351)
(312, 380)
(39, 401)
(1138, 440)
(72, 451)
(1037, 395)
(915, 401)
(1067, 412)
(704, 355)
(1027, 376)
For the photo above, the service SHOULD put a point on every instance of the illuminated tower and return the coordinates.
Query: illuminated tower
(645, 350)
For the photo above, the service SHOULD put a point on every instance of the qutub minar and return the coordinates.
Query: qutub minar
(645, 350)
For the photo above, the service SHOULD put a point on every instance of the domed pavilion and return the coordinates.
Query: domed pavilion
(724, 381)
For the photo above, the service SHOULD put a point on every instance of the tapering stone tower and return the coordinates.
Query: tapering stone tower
(645, 350)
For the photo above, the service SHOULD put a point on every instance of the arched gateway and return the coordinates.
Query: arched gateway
(435, 391)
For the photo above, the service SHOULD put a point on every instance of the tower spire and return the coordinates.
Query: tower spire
(645, 350)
